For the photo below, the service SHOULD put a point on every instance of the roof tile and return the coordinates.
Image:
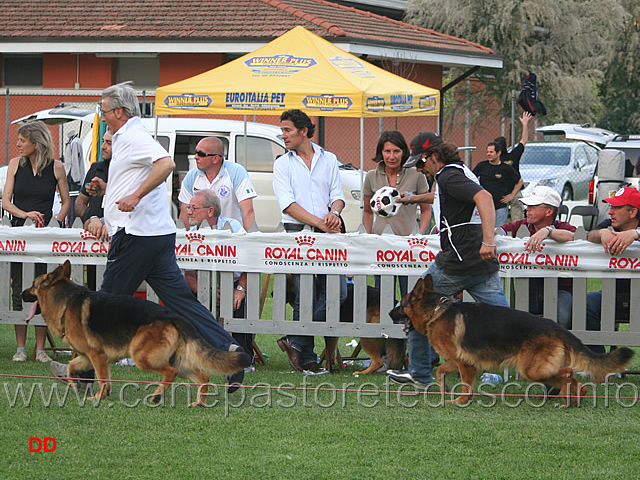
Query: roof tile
(242, 19)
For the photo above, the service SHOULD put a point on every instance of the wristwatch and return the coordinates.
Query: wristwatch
(638, 233)
(336, 213)
(551, 228)
(242, 289)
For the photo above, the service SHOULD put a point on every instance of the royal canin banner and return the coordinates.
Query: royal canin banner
(306, 252)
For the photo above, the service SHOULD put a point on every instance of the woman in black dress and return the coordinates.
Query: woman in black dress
(29, 192)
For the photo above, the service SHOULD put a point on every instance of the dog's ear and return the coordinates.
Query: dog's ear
(66, 269)
(428, 283)
(418, 290)
(57, 274)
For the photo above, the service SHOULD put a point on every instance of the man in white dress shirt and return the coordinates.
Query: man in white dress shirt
(306, 181)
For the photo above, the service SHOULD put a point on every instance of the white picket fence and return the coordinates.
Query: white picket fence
(256, 321)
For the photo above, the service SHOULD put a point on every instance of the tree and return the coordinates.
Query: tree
(621, 89)
(568, 44)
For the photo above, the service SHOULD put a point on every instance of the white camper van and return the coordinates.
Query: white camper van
(256, 152)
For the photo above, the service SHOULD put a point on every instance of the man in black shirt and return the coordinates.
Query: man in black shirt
(512, 157)
(88, 205)
(500, 180)
(468, 258)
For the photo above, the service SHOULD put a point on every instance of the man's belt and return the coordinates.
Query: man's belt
(298, 227)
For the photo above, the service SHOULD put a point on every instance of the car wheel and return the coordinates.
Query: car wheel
(567, 193)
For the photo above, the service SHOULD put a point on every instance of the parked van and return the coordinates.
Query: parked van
(618, 160)
(256, 152)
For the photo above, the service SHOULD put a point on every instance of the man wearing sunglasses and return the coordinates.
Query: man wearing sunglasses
(228, 180)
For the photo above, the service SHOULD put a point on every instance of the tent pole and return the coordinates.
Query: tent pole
(361, 162)
(246, 157)
(155, 135)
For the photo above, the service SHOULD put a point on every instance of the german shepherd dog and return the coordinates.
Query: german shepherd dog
(477, 336)
(393, 348)
(103, 328)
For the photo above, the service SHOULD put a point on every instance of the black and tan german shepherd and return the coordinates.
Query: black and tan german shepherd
(477, 336)
(103, 328)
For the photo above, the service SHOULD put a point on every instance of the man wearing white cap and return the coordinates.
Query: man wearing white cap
(540, 219)
(615, 234)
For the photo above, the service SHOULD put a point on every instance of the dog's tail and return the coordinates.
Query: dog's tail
(198, 352)
(599, 365)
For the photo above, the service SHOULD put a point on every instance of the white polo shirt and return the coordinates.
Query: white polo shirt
(133, 156)
(313, 189)
(232, 185)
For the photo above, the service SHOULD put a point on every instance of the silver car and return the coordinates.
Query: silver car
(566, 167)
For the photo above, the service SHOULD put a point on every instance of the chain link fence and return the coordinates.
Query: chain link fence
(467, 125)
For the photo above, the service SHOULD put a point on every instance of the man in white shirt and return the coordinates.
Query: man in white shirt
(137, 218)
(306, 181)
(228, 180)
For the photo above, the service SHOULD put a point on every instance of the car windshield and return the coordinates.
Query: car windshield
(545, 155)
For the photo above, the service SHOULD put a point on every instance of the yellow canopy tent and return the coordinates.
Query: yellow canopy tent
(299, 70)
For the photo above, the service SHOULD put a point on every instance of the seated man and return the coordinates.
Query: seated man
(542, 209)
(204, 206)
(615, 234)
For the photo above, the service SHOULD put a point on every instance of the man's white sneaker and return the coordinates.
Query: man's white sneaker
(41, 356)
(19, 357)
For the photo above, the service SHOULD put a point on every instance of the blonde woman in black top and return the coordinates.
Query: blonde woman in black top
(29, 192)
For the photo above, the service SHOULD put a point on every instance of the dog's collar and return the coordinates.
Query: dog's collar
(443, 305)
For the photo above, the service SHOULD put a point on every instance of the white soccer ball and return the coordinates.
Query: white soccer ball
(383, 202)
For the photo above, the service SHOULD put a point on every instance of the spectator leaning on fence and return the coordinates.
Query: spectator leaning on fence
(541, 211)
(392, 152)
(615, 234)
(29, 192)
(306, 181)
(204, 206)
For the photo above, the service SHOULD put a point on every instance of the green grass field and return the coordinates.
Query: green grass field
(285, 425)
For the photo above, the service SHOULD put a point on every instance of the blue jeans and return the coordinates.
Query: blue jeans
(594, 307)
(403, 281)
(133, 259)
(565, 308)
(305, 343)
(483, 288)
(565, 303)
(501, 216)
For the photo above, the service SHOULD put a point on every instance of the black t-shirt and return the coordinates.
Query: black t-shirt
(101, 170)
(34, 192)
(512, 158)
(498, 180)
(456, 192)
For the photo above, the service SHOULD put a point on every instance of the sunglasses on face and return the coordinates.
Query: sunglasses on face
(202, 154)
